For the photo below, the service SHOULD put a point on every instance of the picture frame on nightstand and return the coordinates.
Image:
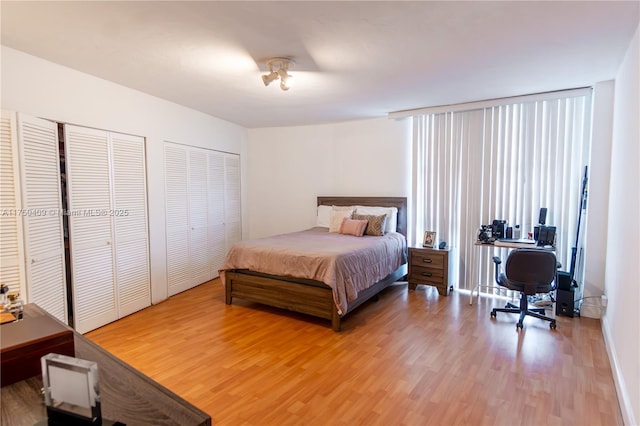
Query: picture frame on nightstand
(429, 239)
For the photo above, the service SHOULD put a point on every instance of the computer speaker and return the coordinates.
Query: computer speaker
(565, 302)
(564, 281)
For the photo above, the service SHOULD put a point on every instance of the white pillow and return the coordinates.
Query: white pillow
(352, 208)
(337, 214)
(324, 216)
(391, 212)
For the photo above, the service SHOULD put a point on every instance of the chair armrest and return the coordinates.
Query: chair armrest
(497, 262)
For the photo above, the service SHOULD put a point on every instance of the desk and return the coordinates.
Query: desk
(498, 244)
(126, 394)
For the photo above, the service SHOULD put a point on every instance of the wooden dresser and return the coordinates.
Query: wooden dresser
(429, 267)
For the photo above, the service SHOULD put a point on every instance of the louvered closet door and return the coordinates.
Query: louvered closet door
(232, 212)
(202, 192)
(199, 247)
(215, 209)
(41, 199)
(177, 217)
(11, 248)
(133, 285)
(90, 227)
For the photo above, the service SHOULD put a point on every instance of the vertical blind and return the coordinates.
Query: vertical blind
(504, 161)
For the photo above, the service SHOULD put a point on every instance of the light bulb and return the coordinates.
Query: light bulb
(268, 78)
(286, 80)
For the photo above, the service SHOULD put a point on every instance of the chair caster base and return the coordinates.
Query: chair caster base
(523, 315)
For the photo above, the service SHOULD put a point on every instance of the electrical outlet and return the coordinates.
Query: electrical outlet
(603, 301)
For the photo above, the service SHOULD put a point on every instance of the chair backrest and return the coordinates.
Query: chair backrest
(532, 267)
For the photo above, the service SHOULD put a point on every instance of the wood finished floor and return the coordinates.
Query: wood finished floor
(411, 358)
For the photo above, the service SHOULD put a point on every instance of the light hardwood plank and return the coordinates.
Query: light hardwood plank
(411, 358)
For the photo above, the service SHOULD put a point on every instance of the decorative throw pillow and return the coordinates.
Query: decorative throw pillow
(353, 227)
(376, 224)
(336, 218)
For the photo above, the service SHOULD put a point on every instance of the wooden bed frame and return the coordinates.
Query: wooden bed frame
(307, 296)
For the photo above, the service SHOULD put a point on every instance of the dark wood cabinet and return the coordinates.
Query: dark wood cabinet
(429, 267)
(24, 342)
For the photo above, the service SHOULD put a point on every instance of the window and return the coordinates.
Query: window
(502, 160)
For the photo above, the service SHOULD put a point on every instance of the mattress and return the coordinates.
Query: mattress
(346, 263)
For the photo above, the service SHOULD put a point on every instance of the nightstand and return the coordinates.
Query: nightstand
(429, 267)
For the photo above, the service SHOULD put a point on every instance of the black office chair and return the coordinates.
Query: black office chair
(529, 271)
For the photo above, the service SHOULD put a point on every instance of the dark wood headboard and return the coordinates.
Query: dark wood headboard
(399, 202)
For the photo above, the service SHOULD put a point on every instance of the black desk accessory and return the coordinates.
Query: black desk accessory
(485, 234)
(499, 229)
(547, 236)
(542, 218)
(566, 281)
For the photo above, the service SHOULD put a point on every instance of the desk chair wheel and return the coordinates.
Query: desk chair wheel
(519, 325)
(552, 325)
(493, 314)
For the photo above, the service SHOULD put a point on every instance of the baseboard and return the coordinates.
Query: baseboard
(618, 379)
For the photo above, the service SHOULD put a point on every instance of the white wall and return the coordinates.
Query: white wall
(44, 89)
(621, 321)
(290, 166)
(598, 198)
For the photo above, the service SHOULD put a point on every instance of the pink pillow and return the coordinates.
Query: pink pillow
(353, 227)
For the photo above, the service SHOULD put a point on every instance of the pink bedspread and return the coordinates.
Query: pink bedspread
(346, 263)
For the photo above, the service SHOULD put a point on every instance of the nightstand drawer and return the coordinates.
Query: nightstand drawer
(429, 259)
(426, 275)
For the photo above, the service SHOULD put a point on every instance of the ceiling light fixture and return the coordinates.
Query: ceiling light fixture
(278, 69)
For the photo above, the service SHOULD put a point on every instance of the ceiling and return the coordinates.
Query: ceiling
(354, 59)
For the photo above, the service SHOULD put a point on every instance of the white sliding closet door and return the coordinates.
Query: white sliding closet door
(107, 225)
(90, 230)
(217, 245)
(198, 247)
(42, 215)
(177, 217)
(11, 244)
(202, 192)
(232, 212)
(31, 236)
(131, 227)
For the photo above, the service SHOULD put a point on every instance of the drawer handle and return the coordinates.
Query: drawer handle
(426, 274)
(427, 260)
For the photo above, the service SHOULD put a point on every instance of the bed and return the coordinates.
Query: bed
(314, 296)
